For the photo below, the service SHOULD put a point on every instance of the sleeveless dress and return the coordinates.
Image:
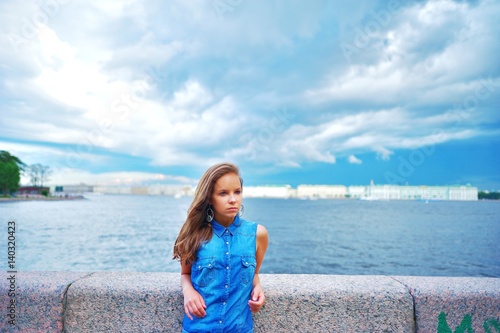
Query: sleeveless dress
(223, 274)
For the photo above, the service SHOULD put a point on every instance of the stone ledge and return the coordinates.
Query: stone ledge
(334, 303)
(454, 301)
(39, 300)
(152, 302)
(125, 302)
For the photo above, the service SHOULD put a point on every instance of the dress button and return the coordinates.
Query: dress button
(220, 321)
(227, 253)
(226, 286)
(227, 267)
(224, 303)
(227, 242)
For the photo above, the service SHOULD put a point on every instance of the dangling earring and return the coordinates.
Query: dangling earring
(210, 214)
(242, 210)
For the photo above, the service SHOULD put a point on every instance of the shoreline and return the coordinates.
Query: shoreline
(41, 198)
(81, 197)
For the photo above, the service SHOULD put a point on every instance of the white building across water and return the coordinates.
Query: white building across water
(395, 192)
(268, 191)
(369, 192)
(322, 191)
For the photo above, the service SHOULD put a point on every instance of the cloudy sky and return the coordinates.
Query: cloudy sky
(294, 92)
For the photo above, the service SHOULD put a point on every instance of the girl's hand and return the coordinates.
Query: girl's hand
(194, 304)
(257, 298)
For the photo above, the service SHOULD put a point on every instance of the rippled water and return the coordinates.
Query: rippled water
(136, 233)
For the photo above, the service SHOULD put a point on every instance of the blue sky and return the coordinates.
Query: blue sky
(295, 92)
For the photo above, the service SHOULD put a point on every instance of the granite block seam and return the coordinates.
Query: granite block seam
(414, 301)
(65, 299)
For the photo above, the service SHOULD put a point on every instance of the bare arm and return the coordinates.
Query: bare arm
(257, 298)
(194, 304)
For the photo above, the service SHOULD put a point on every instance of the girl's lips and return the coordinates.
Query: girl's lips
(233, 209)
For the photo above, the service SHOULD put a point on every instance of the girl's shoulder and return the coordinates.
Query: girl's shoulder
(255, 227)
(249, 225)
(243, 221)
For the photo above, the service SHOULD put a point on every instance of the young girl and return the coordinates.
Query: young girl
(220, 256)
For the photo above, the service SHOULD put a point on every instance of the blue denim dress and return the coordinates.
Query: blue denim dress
(223, 274)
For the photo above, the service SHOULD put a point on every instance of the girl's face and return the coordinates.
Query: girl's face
(226, 198)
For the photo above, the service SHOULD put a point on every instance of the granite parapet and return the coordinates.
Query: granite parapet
(153, 302)
(39, 299)
(334, 303)
(125, 302)
(452, 304)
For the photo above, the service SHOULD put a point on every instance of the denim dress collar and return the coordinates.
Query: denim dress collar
(223, 274)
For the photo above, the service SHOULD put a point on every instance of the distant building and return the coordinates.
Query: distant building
(268, 191)
(171, 190)
(369, 192)
(322, 191)
(463, 193)
(158, 189)
(28, 190)
(143, 190)
(396, 192)
(356, 192)
(113, 189)
(81, 188)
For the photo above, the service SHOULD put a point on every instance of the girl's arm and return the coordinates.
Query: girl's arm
(257, 298)
(193, 302)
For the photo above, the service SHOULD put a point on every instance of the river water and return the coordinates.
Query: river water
(136, 233)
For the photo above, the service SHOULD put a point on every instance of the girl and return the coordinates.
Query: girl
(220, 256)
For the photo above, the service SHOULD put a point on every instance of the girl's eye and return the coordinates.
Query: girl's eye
(222, 193)
(238, 192)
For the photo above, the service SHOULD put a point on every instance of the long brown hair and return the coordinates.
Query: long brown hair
(196, 230)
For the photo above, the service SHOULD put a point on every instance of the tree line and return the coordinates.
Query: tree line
(488, 195)
(11, 169)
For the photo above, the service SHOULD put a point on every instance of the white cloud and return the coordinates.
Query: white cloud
(115, 9)
(382, 152)
(173, 133)
(381, 132)
(354, 160)
(71, 81)
(424, 52)
(217, 83)
(120, 115)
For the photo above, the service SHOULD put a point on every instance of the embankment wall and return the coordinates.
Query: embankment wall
(152, 302)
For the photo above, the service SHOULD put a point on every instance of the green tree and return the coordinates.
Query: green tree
(38, 174)
(488, 195)
(10, 172)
